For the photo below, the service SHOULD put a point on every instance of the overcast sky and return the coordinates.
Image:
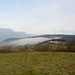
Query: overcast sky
(38, 16)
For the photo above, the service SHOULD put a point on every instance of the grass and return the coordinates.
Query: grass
(37, 63)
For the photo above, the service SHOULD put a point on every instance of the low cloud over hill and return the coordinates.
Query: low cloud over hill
(9, 33)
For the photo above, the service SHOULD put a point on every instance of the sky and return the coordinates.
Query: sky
(38, 16)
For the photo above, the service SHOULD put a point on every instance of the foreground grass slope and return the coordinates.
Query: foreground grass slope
(37, 63)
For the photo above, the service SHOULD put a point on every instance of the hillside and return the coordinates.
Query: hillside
(69, 37)
(34, 39)
(9, 33)
(11, 39)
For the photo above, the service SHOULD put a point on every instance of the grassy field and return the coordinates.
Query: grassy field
(37, 63)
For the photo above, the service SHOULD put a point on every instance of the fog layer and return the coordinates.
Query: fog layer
(26, 41)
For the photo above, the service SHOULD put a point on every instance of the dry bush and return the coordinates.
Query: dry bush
(22, 48)
(60, 48)
(70, 46)
(10, 49)
(43, 47)
(7, 49)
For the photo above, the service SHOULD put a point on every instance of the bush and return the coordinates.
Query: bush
(67, 47)
(10, 49)
(22, 48)
(43, 47)
(7, 49)
(70, 46)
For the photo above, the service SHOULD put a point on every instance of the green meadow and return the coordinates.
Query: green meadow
(37, 63)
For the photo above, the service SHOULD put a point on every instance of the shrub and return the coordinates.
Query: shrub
(43, 47)
(22, 48)
(7, 49)
(67, 47)
(70, 46)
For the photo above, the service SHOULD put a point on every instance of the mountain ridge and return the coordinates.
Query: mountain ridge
(65, 37)
(9, 33)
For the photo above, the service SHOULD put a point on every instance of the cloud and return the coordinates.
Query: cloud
(39, 16)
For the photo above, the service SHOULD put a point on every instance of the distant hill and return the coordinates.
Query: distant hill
(56, 36)
(69, 37)
(11, 39)
(45, 36)
(8, 33)
(51, 35)
(34, 39)
(62, 37)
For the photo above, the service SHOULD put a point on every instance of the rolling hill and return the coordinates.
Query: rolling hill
(9, 33)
